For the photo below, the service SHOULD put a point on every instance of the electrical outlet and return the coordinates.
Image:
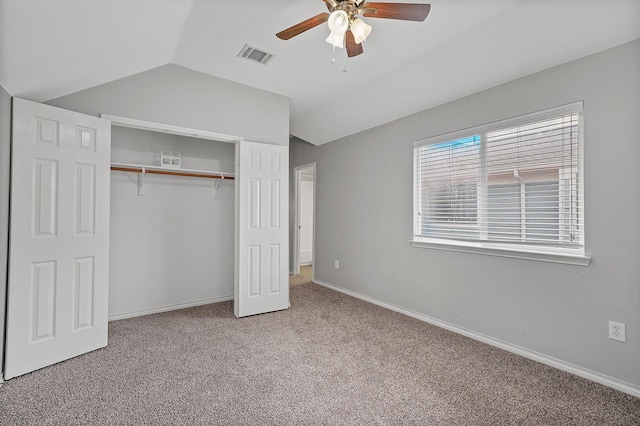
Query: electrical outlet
(617, 331)
(336, 264)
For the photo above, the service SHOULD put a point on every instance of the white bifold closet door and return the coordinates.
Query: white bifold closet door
(262, 228)
(59, 243)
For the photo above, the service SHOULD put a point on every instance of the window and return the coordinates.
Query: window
(513, 185)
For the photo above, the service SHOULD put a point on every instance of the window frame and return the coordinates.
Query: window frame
(529, 251)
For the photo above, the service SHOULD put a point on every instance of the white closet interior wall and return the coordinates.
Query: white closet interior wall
(172, 247)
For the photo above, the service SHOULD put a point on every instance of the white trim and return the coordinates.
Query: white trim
(525, 253)
(172, 307)
(518, 350)
(295, 250)
(572, 108)
(168, 128)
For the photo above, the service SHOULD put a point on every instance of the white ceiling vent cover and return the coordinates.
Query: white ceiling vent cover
(256, 55)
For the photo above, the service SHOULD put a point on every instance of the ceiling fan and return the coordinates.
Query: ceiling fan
(348, 29)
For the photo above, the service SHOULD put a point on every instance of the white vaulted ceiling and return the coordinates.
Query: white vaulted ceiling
(51, 48)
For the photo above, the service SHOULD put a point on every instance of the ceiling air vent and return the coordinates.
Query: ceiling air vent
(253, 54)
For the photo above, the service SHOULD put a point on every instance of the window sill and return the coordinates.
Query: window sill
(482, 248)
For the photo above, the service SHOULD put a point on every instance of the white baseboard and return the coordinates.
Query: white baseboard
(167, 308)
(535, 356)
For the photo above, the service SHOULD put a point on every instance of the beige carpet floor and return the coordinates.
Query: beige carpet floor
(306, 274)
(329, 359)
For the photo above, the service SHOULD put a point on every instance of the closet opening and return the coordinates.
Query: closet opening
(195, 241)
(172, 242)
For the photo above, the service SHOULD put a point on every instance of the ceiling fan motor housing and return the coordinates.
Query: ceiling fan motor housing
(348, 6)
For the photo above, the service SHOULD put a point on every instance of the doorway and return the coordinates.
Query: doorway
(304, 240)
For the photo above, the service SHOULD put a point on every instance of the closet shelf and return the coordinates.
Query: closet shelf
(138, 168)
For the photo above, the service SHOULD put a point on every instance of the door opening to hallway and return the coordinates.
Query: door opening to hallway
(304, 220)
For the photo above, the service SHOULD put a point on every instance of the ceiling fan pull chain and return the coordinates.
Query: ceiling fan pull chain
(333, 59)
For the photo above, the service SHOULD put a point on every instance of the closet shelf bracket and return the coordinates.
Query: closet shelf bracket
(216, 186)
(141, 181)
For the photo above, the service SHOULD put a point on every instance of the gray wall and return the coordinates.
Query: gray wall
(175, 95)
(5, 155)
(193, 259)
(364, 219)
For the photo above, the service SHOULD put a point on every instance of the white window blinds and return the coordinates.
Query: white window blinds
(515, 182)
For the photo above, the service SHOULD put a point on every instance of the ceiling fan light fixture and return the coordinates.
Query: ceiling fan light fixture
(360, 30)
(336, 40)
(338, 22)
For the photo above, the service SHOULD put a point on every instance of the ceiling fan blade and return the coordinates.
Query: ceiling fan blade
(353, 48)
(403, 11)
(303, 26)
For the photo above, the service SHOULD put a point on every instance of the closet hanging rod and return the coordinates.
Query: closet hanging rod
(174, 172)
